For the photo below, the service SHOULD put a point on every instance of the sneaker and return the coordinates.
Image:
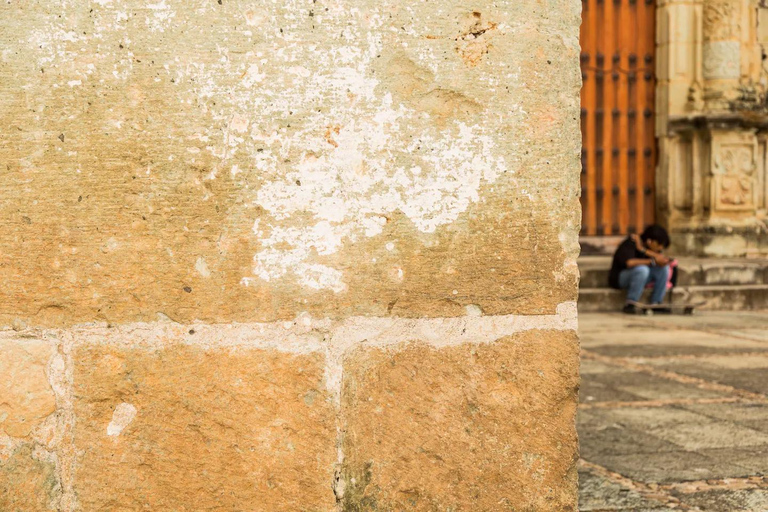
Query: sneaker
(630, 309)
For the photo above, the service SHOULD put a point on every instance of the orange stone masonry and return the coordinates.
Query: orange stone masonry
(314, 256)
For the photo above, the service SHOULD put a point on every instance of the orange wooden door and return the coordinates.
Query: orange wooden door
(617, 125)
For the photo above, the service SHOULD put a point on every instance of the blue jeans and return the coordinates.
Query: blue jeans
(634, 280)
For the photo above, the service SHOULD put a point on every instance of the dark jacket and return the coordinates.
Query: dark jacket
(625, 252)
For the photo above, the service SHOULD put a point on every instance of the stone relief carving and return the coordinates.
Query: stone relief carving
(735, 177)
(721, 21)
(722, 59)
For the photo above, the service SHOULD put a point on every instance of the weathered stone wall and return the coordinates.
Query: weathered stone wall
(301, 255)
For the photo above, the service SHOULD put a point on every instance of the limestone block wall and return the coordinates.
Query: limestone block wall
(300, 255)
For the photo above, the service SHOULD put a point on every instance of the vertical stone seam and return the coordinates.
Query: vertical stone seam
(61, 378)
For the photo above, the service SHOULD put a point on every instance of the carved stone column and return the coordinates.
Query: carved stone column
(711, 183)
(721, 52)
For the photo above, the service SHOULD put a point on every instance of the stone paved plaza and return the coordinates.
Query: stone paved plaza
(674, 412)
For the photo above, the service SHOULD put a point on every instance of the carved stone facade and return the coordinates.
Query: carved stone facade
(733, 172)
(712, 125)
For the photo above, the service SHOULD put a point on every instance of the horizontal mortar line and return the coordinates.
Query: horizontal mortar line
(652, 492)
(722, 484)
(309, 335)
(667, 403)
(676, 377)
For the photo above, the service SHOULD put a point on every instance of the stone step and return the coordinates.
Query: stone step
(692, 271)
(600, 245)
(717, 297)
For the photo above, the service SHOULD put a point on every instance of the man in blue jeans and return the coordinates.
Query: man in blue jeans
(639, 261)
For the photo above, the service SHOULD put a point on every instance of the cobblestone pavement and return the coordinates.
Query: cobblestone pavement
(674, 412)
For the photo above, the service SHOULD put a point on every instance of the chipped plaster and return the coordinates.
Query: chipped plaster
(328, 150)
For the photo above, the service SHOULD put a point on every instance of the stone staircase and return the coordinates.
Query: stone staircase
(725, 284)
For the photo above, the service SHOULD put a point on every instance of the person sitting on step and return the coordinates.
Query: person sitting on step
(639, 261)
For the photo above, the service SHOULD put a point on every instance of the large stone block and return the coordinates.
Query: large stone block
(231, 161)
(187, 428)
(463, 428)
(26, 396)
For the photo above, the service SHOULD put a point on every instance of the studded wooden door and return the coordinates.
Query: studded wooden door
(617, 125)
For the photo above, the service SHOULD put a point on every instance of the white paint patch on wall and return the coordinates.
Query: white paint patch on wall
(355, 165)
(322, 149)
(63, 49)
(332, 154)
(124, 414)
(350, 190)
(202, 267)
